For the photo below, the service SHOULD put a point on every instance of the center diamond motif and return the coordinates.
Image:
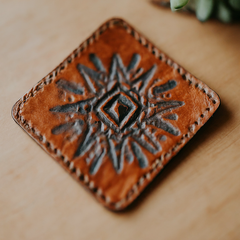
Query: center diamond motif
(118, 110)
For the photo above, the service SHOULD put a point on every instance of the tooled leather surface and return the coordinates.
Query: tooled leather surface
(87, 122)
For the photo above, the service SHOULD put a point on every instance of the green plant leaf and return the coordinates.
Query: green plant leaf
(178, 4)
(204, 9)
(223, 13)
(235, 4)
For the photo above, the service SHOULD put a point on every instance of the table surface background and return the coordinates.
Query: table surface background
(197, 196)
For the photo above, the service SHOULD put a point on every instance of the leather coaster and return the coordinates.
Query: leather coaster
(114, 112)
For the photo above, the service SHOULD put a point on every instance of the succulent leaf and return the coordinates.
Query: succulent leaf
(223, 12)
(178, 4)
(204, 9)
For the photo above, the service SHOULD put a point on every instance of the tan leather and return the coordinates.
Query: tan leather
(114, 125)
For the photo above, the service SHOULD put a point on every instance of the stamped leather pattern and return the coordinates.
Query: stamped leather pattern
(114, 112)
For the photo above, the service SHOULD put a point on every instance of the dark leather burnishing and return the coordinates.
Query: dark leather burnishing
(114, 112)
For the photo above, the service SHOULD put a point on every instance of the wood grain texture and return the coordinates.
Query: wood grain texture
(197, 196)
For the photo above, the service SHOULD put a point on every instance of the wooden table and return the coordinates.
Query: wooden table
(197, 196)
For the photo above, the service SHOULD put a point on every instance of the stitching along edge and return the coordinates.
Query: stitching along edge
(159, 163)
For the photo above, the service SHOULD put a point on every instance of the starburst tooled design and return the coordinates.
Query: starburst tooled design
(120, 114)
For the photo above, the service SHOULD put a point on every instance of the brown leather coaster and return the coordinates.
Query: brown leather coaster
(114, 112)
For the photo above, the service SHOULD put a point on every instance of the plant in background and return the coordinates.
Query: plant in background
(225, 10)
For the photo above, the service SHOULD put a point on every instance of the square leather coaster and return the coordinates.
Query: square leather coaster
(114, 112)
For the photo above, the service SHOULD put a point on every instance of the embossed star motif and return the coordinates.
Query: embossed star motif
(123, 112)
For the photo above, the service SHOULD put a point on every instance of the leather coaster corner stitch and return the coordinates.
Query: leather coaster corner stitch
(114, 112)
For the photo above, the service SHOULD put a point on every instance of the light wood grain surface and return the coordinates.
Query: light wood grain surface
(197, 196)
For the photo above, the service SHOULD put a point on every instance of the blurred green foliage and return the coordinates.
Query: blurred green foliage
(225, 10)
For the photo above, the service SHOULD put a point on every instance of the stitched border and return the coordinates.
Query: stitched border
(158, 163)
